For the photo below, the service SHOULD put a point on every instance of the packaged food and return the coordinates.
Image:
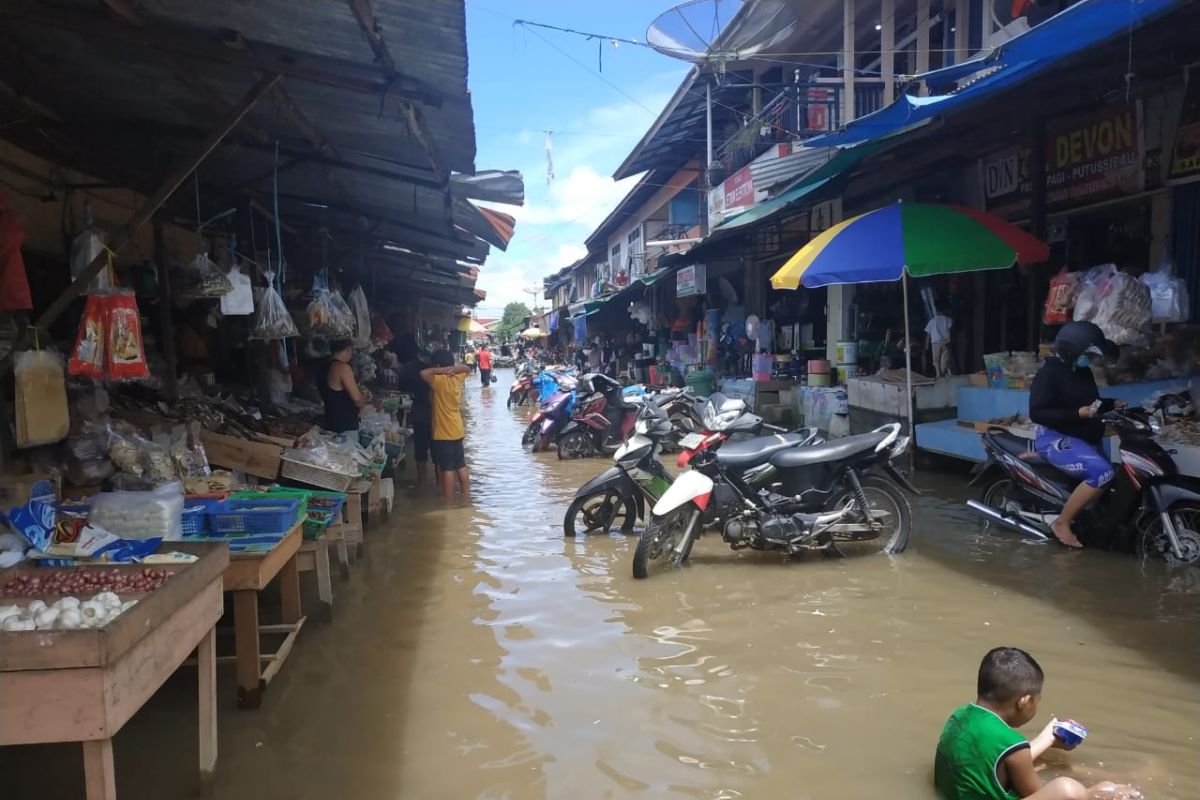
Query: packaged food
(41, 397)
(126, 354)
(1168, 295)
(273, 320)
(87, 357)
(141, 515)
(328, 315)
(1060, 298)
(239, 302)
(202, 278)
(362, 315)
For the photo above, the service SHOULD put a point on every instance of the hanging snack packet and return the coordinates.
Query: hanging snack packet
(87, 357)
(202, 279)
(126, 354)
(273, 321)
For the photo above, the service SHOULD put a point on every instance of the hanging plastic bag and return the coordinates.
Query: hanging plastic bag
(380, 332)
(1060, 299)
(14, 283)
(87, 357)
(85, 248)
(362, 315)
(240, 300)
(1169, 300)
(1091, 289)
(202, 279)
(126, 352)
(273, 321)
(1123, 310)
(329, 318)
(42, 415)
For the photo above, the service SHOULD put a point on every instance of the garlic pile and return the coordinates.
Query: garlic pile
(68, 613)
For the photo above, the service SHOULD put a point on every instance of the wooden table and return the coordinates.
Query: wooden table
(84, 685)
(246, 576)
(352, 522)
(314, 557)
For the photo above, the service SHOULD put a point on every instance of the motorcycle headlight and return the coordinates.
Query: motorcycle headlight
(1156, 426)
(642, 427)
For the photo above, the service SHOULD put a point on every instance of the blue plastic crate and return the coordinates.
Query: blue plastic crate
(254, 516)
(195, 515)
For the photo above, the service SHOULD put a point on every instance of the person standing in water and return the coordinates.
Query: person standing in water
(485, 364)
(446, 380)
(339, 390)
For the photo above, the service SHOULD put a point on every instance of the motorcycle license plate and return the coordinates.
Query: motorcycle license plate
(691, 441)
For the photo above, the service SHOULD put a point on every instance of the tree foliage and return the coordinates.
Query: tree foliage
(513, 320)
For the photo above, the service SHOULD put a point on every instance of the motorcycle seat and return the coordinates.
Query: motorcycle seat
(751, 452)
(836, 450)
(1017, 446)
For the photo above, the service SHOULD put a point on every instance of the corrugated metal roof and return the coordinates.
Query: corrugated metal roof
(133, 91)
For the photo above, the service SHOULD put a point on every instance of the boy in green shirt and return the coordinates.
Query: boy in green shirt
(981, 756)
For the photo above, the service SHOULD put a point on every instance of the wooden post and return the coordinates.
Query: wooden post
(125, 235)
(887, 50)
(847, 62)
(207, 664)
(99, 776)
(1037, 218)
(166, 321)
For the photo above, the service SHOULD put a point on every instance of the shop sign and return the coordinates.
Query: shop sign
(690, 281)
(716, 206)
(739, 190)
(1185, 161)
(1089, 157)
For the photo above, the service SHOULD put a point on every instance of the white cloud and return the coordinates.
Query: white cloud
(557, 218)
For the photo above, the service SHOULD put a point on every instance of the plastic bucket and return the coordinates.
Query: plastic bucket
(847, 352)
(846, 371)
(818, 379)
(818, 366)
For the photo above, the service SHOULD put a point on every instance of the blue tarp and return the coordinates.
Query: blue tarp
(1080, 27)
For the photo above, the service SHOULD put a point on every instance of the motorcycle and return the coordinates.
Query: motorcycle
(638, 479)
(556, 392)
(1148, 508)
(522, 388)
(603, 418)
(832, 497)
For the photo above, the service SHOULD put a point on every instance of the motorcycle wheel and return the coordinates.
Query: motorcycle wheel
(998, 494)
(888, 504)
(656, 545)
(530, 435)
(599, 513)
(1152, 541)
(576, 444)
(542, 443)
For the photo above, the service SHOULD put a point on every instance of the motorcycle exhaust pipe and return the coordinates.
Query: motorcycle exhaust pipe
(1007, 520)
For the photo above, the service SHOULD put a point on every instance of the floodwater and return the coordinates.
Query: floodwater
(476, 654)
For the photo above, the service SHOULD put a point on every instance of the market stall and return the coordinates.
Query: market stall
(60, 682)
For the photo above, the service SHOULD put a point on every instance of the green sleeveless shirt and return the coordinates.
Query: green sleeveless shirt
(974, 742)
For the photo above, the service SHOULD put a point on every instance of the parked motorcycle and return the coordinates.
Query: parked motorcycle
(638, 479)
(1148, 508)
(521, 391)
(549, 419)
(602, 419)
(835, 497)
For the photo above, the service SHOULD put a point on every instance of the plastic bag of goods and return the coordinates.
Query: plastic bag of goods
(201, 279)
(85, 248)
(239, 302)
(273, 321)
(42, 415)
(87, 357)
(1123, 310)
(1092, 287)
(361, 314)
(328, 315)
(141, 515)
(380, 332)
(1060, 299)
(1169, 300)
(126, 355)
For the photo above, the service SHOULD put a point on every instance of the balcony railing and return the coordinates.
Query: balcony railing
(800, 111)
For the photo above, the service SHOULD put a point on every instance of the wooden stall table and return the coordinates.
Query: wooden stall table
(337, 539)
(84, 685)
(246, 576)
(352, 519)
(313, 556)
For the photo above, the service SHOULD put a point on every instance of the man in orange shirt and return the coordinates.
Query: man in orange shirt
(484, 357)
(446, 381)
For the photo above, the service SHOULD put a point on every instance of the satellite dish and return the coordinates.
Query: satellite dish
(718, 31)
(727, 291)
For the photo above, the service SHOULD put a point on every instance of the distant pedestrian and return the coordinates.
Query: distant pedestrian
(469, 357)
(937, 339)
(339, 390)
(446, 381)
(484, 357)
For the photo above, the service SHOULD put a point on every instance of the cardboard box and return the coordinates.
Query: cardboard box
(260, 459)
(980, 380)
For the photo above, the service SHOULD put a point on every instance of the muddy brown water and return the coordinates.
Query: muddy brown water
(476, 654)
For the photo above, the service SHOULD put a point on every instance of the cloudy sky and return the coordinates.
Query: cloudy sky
(597, 99)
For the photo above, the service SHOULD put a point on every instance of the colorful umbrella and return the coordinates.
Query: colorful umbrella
(919, 239)
(532, 333)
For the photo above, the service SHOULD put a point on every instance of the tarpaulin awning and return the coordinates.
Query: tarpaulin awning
(1064, 35)
(1071, 31)
(654, 277)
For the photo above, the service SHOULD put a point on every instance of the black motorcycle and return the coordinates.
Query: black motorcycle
(833, 497)
(1148, 507)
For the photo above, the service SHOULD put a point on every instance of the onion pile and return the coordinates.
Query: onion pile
(86, 581)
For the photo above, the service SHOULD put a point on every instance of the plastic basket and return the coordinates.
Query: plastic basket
(254, 517)
(313, 475)
(195, 514)
(321, 507)
(277, 493)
